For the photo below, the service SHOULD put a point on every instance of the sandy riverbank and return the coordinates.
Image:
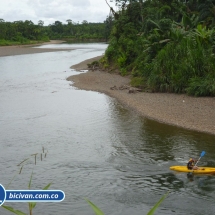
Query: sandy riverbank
(28, 49)
(180, 110)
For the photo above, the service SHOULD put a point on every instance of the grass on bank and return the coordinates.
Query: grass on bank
(21, 42)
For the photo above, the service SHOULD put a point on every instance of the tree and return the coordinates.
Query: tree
(40, 23)
(69, 21)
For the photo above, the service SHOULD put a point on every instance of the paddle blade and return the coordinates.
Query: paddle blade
(202, 154)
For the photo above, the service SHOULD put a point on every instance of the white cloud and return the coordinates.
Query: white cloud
(15, 10)
(53, 10)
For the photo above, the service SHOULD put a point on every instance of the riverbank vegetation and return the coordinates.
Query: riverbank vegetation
(165, 45)
(26, 32)
(85, 31)
(21, 32)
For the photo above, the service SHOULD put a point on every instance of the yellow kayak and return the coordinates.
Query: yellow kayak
(201, 170)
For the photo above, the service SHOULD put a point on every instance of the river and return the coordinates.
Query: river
(93, 146)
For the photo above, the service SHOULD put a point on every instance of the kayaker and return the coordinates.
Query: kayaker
(191, 164)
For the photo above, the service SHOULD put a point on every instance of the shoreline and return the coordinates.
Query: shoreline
(192, 113)
(29, 49)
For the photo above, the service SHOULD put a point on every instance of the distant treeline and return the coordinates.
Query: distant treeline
(25, 32)
(166, 45)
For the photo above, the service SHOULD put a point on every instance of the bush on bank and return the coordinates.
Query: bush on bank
(167, 46)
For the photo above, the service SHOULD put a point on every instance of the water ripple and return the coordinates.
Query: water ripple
(95, 147)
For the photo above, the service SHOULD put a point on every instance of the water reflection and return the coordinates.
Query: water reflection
(145, 150)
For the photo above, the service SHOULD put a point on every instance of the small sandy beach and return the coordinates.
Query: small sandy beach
(28, 49)
(188, 112)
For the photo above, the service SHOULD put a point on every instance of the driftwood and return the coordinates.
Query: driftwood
(114, 88)
(126, 87)
(134, 90)
(122, 87)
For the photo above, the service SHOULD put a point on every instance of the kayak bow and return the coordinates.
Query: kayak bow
(201, 170)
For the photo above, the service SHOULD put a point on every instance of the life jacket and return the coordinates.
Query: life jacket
(190, 164)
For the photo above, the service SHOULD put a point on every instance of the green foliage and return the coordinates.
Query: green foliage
(168, 44)
(121, 61)
(94, 207)
(21, 32)
(138, 82)
(123, 72)
(177, 63)
(201, 86)
(110, 53)
(8, 43)
(152, 211)
(13, 210)
(84, 31)
(24, 32)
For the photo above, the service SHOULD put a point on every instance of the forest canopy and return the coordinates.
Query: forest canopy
(25, 32)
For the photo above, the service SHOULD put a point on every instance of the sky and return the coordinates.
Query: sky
(50, 11)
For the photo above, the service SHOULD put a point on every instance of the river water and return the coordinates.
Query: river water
(93, 146)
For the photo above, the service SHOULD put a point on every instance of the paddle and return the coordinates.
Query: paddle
(201, 155)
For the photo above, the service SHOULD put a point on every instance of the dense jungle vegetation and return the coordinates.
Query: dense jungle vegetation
(25, 32)
(165, 45)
